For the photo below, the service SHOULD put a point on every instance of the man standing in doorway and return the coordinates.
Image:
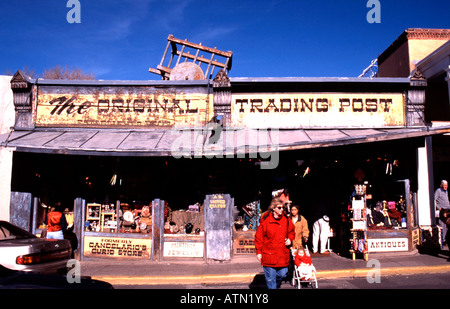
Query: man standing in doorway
(441, 202)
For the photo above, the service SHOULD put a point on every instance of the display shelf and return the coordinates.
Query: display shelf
(100, 218)
(358, 242)
(93, 212)
(108, 221)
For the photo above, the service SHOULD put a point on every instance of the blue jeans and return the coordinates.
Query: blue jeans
(55, 235)
(274, 276)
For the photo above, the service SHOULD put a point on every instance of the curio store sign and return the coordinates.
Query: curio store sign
(117, 247)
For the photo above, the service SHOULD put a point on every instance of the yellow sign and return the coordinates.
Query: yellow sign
(117, 247)
(318, 110)
(122, 109)
(217, 201)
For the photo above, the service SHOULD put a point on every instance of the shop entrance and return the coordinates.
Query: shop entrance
(317, 179)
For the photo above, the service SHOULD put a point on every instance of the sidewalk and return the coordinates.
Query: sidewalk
(244, 268)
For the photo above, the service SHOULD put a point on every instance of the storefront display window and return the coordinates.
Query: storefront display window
(388, 214)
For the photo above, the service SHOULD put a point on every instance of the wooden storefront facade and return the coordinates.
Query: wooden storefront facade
(260, 120)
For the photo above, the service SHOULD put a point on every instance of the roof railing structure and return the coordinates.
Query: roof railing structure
(372, 70)
(185, 52)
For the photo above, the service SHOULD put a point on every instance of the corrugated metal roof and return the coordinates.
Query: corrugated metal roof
(197, 142)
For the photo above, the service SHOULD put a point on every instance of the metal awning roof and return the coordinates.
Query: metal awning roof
(196, 142)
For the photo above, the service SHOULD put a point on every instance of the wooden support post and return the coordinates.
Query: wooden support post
(158, 229)
(79, 215)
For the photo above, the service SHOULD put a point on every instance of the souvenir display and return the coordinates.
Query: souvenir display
(188, 228)
(145, 220)
(100, 217)
(358, 242)
(251, 216)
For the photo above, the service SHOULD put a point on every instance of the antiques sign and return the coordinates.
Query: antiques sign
(117, 247)
(121, 106)
(387, 244)
(318, 110)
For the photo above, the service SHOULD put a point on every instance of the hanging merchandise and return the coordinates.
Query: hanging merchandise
(146, 219)
(251, 217)
(113, 180)
(307, 171)
(250, 209)
(188, 228)
(171, 228)
(389, 169)
(358, 242)
(277, 193)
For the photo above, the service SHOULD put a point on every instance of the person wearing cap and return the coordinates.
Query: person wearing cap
(321, 231)
(272, 239)
(441, 202)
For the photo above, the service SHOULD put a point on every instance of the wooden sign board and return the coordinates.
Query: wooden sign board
(244, 246)
(387, 244)
(117, 247)
(122, 106)
(318, 110)
(183, 249)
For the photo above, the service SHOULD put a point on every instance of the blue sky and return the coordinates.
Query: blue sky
(121, 39)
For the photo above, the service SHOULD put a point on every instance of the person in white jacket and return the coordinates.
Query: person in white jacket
(321, 231)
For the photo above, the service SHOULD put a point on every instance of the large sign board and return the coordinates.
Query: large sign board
(115, 247)
(318, 110)
(122, 106)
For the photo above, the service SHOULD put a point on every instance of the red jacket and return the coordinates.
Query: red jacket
(270, 238)
(56, 221)
(304, 259)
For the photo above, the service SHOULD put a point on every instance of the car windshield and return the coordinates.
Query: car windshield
(9, 231)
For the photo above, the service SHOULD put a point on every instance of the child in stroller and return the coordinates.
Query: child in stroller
(304, 271)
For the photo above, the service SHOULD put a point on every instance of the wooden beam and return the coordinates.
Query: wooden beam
(228, 54)
(202, 59)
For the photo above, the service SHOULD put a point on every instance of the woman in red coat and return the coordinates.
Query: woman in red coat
(272, 239)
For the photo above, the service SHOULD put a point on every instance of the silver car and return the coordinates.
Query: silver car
(23, 251)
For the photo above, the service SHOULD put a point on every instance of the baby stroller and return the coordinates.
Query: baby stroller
(304, 274)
